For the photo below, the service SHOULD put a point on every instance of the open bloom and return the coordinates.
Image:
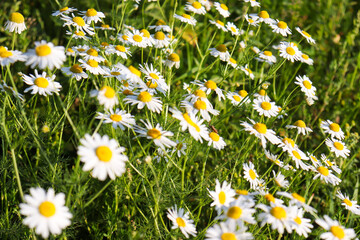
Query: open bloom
(92, 15)
(181, 220)
(157, 134)
(16, 23)
(222, 196)
(348, 204)
(118, 118)
(336, 231)
(143, 99)
(333, 129)
(227, 231)
(306, 35)
(41, 83)
(10, 56)
(338, 147)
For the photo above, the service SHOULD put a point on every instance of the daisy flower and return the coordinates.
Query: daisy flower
(247, 71)
(124, 38)
(186, 19)
(132, 74)
(280, 180)
(221, 52)
(195, 7)
(160, 25)
(78, 23)
(261, 131)
(253, 3)
(160, 40)
(297, 200)
(302, 225)
(222, 9)
(206, 3)
(273, 158)
(223, 231)
(179, 148)
(281, 28)
(306, 35)
(45, 55)
(280, 217)
(172, 60)
(262, 16)
(45, 211)
(91, 15)
(10, 56)
(106, 96)
(200, 106)
(348, 204)
(75, 71)
(235, 98)
(181, 220)
(300, 126)
(336, 231)
(78, 35)
(233, 29)
(157, 134)
(338, 147)
(16, 23)
(314, 160)
(80, 48)
(325, 174)
(92, 66)
(266, 108)
(189, 121)
(63, 11)
(119, 50)
(306, 85)
(93, 54)
(147, 36)
(222, 196)
(105, 27)
(239, 211)
(219, 24)
(297, 155)
(333, 129)
(208, 85)
(41, 83)
(267, 56)
(103, 156)
(6, 88)
(250, 174)
(153, 75)
(290, 51)
(143, 99)
(136, 38)
(330, 164)
(251, 21)
(306, 59)
(233, 63)
(70, 52)
(118, 118)
(216, 141)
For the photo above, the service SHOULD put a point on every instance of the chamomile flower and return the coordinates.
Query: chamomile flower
(297, 155)
(119, 50)
(75, 71)
(306, 59)
(78, 23)
(118, 118)
(106, 96)
(280, 180)
(280, 217)
(222, 196)
(160, 25)
(301, 127)
(157, 134)
(221, 52)
(306, 35)
(45, 211)
(102, 155)
(273, 158)
(206, 3)
(202, 107)
(336, 231)
(78, 35)
(266, 108)
(80, 48)
(271, 199)
(333, 129)
(251, 21)
(160, 40)
(186, 19)
(250, 175)
(301, 225)
(91, 15)
(147, 36)
(233, 29)
(16, 23)
(262, 16)
(41, 83)
(63, 11)
(133, 74)
(338, 147)
(227, 231)
(6, 88)
(306, 85)
(297, 200)
(124, 38)
(233, 63)
(330, 164)
(219, 24)
(247, 71)
(93, 54)
(316, 163)
(208, 85)
(180, 148)
(261, 131)
(253, 3)
(105, 27)
(216, 141)
(290, 51)
(235, 98)
(70, 52)
(143, 99)
(92, 66)
(195, 7)
(281, 27)
(136, 38)
(181, 220)
(288, 144)
(325, 174)
(45, 55)
(267, 56)
(172, 60)
(222, 9)
(10, 56)
(239, 211)
(154, 76)
(348, 204)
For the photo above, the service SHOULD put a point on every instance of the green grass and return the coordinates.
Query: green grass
(134, 206)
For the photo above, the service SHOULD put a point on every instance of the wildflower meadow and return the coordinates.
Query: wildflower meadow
(149, 119)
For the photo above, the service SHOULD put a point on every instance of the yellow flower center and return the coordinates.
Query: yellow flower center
(160, 23)
(16, 17)
(296, 154)
(290, 51)
(104, 153)
(159, 36)
(92, 52)
(223, 6)
(92, 63)
(260, 127)
(43, 50)
(134, 71)
(41, 82)
(232, 60)
(236, 98)
(137, 38)
(79, 21)
(337, 231)
(144, 97)
(151, 84)
(5, 54)
(109, 91)
(313, 158)
(334, 127)
(200, 105)
(187, 16)
(145, 33)
(282, 25)
(289, 141)
(128, 92)
(307, 84)
(81, 49)
(262, 92)
(220, 23)
(64, 9)
(338, 146)
(76, 68)
(263, 14)
(300, 123)
(174, 57)
(154, 133)
(278, 212)
(268, 53)
(228, 236)
(125, 37)
(269, 197)
(242, 192)
(266, 106)
(214, 136)
(115, 73)
(323, 170)
(250, 20)
(200, 93)
(47, 209)
(221, 48)
(79, 33)
(70, 50)
(222, 197)
(297, 220)
(154, 76)
(116, 117)
(298, 197)
(234, 212)
(190, 122)
(211, 84)
(252, 174)
(304, 56)
(306, 34)
(196, 5)
(329, 163)
(243, 93)
(180, 222)
(347, 202)
(91, 12)
(120, 48)
(105, 26)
